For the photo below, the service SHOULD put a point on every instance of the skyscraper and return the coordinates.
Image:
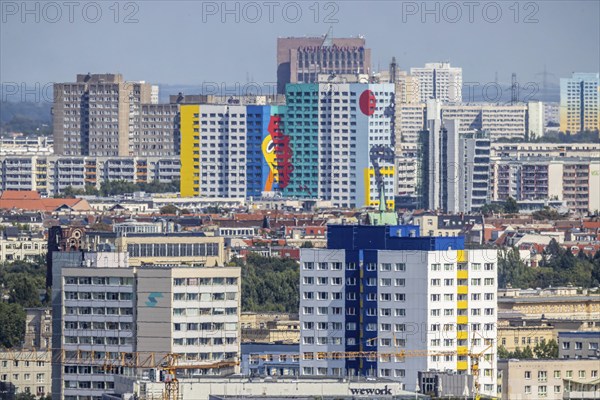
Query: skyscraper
(340, 133)
(97, 114)
(383, 289)
(454, 170)
(580, 103)
(439, 81)
(301, 60)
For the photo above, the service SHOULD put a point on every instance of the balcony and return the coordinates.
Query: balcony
(588, 394)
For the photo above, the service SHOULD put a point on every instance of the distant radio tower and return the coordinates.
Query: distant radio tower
(514, 89)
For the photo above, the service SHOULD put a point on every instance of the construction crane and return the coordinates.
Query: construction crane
(112, 362)
(169, 363)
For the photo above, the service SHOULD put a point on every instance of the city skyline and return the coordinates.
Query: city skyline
(249, 46)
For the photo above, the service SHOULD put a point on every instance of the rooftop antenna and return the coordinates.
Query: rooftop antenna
(545, 75)
(393, 67)
(514, 88)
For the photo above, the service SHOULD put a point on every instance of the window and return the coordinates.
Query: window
(435, 267)
(578, 345)
(386, 267)
(527, 374)
(436, 297)
(436, 282)
(400, 267)
(557, 389)
(556, 374)
(569, 374)
(581, 373)
(488, 281)
(399, 297)
(542, 376)
(542, 391)
(566, 345)
(309, 265)
(386, 282)
(435, 312)
(527, 389)
(400, 282)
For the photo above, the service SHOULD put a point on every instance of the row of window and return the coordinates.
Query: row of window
(98, 296)
(173, 249)
(83, 325)
(204, 281)
(86, 280)
(99, 340)
(98, 311)
(543, 375)
(194, 312)
(39, 378)
(204, 341)
(205, 326)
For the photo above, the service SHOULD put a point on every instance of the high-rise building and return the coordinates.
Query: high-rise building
(213, 150)
(454, 170)
(580, 102)
(535, 119)
(498, 120)
(339, 133)
(302, 59)
(233, 150)
(120, 299)
(97, 114)
(157, 134)
(383, 289)
(439, 81)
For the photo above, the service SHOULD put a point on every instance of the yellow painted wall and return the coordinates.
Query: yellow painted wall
(369, 173)
(190, 143)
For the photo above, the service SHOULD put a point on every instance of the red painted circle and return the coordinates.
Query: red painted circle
(367, 102)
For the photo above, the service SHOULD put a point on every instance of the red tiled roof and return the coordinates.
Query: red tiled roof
(32, 201)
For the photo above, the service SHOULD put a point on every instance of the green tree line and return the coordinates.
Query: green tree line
(558, 267)
(542, 350)
(118, 187)
(269, 284)
(21, 283)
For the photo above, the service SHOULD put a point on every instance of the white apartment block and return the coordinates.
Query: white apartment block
(52, 174)
(500, 121)
(435, 305)
(222, 135)
(107, 308)
(439, 81)
(333, 128)
(580, 103)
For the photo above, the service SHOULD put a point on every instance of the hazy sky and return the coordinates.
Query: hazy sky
(187, 42)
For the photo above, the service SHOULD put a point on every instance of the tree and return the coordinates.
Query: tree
(546, 349)
(511, 206)
(503, 353)
(12, 325)
(307, 245)
(169, 209)
(25, 396)
(269, 284)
